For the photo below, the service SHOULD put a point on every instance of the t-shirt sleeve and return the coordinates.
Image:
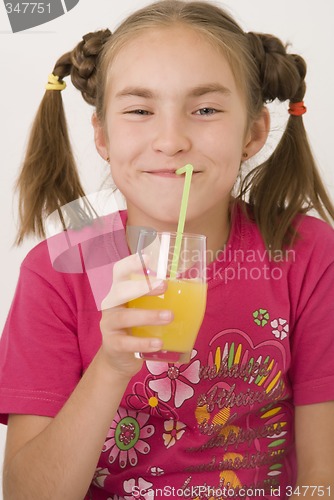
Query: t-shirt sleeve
(40, 361)
(312, 341)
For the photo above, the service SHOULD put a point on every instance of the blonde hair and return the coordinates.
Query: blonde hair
(286, 184)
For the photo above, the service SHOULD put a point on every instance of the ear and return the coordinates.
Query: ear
(100, 139)
(257, 134)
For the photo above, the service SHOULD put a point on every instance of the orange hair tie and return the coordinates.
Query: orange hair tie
(297, 108)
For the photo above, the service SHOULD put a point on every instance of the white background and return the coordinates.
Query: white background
(28, 57)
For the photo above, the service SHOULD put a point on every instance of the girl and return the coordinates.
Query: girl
(252, 414)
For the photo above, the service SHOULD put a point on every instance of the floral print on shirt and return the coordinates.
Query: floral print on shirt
(127, 437)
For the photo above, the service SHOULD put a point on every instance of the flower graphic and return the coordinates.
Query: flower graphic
(100, 477)
(126, 437)
(142, 490)
(173, 380)
(157, 471)
(281, 328)
(174, 432)
(144, 399)
(261, 317)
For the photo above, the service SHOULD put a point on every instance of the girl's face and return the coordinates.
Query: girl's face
(173, 100)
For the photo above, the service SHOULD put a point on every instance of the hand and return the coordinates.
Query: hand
(118, 346)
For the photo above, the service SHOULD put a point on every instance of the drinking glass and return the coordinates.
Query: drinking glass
(184, 272)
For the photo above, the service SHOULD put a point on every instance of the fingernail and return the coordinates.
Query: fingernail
(165, 315)
(156, 343)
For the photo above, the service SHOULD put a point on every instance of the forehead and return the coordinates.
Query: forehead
(169, 57)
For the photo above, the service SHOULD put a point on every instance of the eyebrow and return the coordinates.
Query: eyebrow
(210, 88)
(198, 91)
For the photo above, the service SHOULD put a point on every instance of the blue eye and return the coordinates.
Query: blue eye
(206, 111)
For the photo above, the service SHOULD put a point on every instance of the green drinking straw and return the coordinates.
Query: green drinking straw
(188, 170)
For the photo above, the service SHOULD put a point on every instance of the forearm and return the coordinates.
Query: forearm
(60, 462)
(315, 451)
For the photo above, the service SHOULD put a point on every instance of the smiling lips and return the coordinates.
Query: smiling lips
(166, 173)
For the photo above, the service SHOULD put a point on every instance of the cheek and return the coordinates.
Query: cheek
(227, 138)
(124, 144)
(227, 150)
(120, 178)
(116, 141)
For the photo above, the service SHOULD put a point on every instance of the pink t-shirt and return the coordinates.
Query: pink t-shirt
(225, 420)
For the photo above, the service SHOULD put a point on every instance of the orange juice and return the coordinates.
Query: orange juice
(187, 300)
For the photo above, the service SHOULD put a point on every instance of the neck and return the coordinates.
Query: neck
(216, 230)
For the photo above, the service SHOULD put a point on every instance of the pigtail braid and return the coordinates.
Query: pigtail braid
(49, 177)
(85, 60)
(288, 182)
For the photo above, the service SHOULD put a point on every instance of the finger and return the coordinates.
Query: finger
(121, 318)
(133, 264)
(123, 343)
(123, 291)
(159, 287)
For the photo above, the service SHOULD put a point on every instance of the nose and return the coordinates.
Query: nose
(171, 136)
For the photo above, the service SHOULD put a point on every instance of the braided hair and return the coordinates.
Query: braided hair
(49, 176)
(286, 184)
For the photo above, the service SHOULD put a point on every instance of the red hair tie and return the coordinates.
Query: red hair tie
(297, 108)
